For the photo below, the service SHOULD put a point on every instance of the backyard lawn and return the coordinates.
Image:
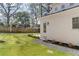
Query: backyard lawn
(23, 45)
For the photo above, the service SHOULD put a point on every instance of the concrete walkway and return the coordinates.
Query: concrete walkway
(61, 48)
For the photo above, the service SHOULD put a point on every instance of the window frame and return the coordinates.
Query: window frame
(75, 23)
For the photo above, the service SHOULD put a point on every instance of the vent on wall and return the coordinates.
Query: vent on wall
(47, 23)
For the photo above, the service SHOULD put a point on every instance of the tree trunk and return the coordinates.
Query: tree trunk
(8, 25)
(8, 20)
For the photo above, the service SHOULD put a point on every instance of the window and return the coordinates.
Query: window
(75, 22)
(44, 27)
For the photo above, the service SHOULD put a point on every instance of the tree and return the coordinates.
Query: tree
(23, 17)
(8, 10)
(34, 13)
(38, 10)
(45, 8)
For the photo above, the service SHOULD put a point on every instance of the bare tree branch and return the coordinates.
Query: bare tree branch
(1, 4)
(18, 7)
(9, 9)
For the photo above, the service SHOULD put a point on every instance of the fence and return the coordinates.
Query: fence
(19, 30)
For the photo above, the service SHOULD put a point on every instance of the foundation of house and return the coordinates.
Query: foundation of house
(62, 44)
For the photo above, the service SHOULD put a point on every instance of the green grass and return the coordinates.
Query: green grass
(22, 45)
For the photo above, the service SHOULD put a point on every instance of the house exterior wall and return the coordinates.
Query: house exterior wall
(60, 26)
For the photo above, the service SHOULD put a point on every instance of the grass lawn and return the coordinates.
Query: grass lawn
(22, 45)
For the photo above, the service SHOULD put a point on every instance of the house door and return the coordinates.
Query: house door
(44, 27)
